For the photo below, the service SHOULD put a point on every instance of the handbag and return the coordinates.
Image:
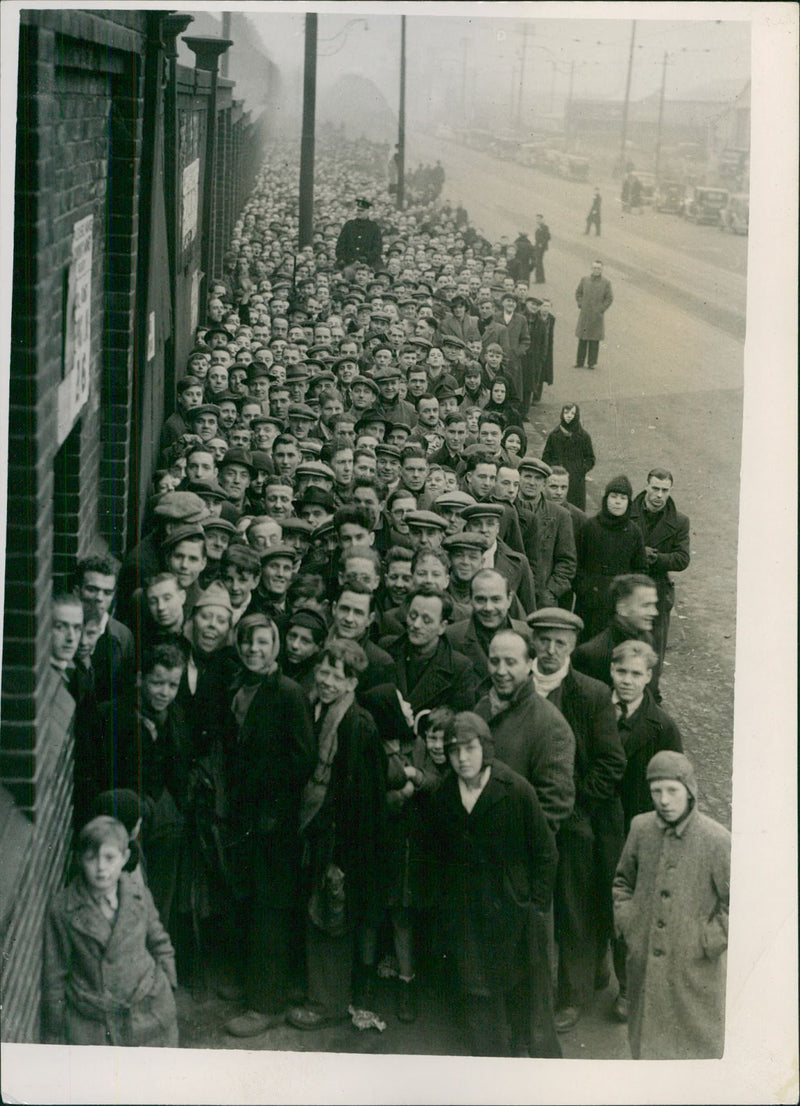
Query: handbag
(327, 907)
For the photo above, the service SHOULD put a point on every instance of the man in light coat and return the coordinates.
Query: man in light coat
(671, 895)
(594, 297)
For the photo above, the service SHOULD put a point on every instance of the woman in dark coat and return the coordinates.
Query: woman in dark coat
(609, 545)
(342, 828)
(496, 887)
(269, 755)
(571, 446)
(503, 400)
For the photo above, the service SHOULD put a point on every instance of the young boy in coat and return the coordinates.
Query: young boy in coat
(671, 894)
(109, 965)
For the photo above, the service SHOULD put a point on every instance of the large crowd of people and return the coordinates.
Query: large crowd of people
(372, 691)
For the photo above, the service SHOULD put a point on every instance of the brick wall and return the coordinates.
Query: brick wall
(77, 132)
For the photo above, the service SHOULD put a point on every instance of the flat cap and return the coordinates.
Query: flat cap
(383, 449)
(391, 372)
(365, 380)
(183, 533)
(208, 488)
(533, 464)
(215, 523)
(465, 540)
(454, 499)
(180, 506)
(554, 618)
(370, 416)
(483, 510)
(315, 468)
(203, 409)
(281, 550)
(426, 520)
(298, 525)
(301, 411)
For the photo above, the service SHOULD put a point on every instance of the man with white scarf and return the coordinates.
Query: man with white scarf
(590, 840)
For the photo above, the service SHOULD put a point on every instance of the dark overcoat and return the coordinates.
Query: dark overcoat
(501, 863)
(670, 538)
(533, 738)
(644, 733)
(573, 451)
(550, 548)
(448, 679)
(349, 830)
(463, 636)
(593, 296)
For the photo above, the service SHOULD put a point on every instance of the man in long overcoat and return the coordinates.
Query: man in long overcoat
(666, 540)
(594, 297)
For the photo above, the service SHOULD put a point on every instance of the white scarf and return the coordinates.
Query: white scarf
(545, 684)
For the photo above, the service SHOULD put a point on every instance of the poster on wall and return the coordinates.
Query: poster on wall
(73, 391)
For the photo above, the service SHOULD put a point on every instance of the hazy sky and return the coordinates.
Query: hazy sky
(485, 49)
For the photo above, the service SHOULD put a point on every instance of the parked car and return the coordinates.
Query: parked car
(704, 205)
(669, 197)
(735, 216)
(648, 189)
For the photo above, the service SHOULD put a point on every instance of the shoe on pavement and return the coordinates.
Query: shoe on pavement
(620, 1008)
(567, 1018)
(407, 1001)
(232, 992)
(306, 1017)
(578, 366)
(253, 1024)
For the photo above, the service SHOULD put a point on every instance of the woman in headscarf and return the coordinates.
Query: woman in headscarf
(496, 886)
(609, 545)
(671, 896)
(571, 446)
(503, 400)
(342, 812)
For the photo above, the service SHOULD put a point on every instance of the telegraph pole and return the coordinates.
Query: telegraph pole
(522, 75)
(401, 120)
(661, 115)
(465, 44)
(306, 212)
(622, 159)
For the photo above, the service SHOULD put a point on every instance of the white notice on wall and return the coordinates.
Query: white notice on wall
(73, 391)
(190, 195)
(151, 336)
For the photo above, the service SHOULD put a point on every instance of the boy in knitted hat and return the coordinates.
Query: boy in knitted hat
(671, 893)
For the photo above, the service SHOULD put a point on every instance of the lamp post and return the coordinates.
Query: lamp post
(623, 140)
(401, 120)
(660, 115)
(306, 213)
(207, 52)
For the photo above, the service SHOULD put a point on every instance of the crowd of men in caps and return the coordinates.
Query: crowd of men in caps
(371, 715)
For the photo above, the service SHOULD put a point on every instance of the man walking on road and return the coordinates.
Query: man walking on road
(593, 218)
(541, 241)
(594, 297)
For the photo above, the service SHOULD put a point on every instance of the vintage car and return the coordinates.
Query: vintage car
(669, 197)
(735, 216)
(704, 205)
